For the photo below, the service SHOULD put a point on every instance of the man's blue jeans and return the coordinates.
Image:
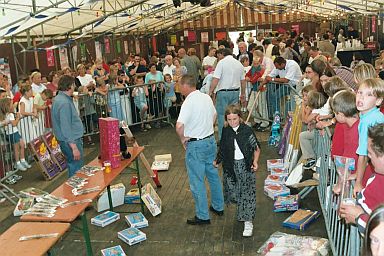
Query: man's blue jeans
(199, 161)
(223, 99)
(73, 165)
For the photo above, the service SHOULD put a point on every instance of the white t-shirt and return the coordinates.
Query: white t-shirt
(168, 70)
(324, 110)
(209, 61)
(197, 114)
(38, 88)
(230, 73)
(292, 72)
(10, 128)
(85, 80)
(238, 154)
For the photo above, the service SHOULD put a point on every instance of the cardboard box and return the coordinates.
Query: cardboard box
(55, 150)
(160, 165)
(286, 203)
(105, 219)
(113, 251)
(117, 193)
(275, 180)
(279, 171)
(151, 199)
(275, 163)
(166, 158)
(273, 191)
(132, 236)
(110, 141)
(301, 219)
(132, 196)
(136, 220)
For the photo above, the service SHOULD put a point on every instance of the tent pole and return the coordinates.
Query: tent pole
(14, 56)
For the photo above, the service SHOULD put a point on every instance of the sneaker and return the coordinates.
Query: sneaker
(148, 126)
(248, 229)
(20, 167)
(16, 177)
(10, 181)
(309, 164)
(26, 164)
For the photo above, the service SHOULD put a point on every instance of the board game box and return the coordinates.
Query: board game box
(275, 180)
(136, 220)
(301, 219)
(55, 150)
(273, 191)
(132, 196)
(113, 251)
(151, 199)
(131, 236)
(105, 218)
(275, 163)
(286, 203)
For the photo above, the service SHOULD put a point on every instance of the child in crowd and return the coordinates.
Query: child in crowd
(12, 133)
(140, 94)
(101, 97)
(239, 153)
(368, 98)
(41, 104)
(315, 101)
(170, 96)
(346, 134)
(372, 195)
(29, 114)
(374, 233)
(114, 101)
(87, 112)
(305, 110)
(248, 86)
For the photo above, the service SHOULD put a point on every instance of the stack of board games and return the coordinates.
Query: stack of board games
(275, 180)
(275, 163)
(105, 219)
(286, 203)
(113, 251)
(23, 205)
(300, 219)
(273, 191)
(136, 220)
(110, 141)
(132, 196)
(132, 236)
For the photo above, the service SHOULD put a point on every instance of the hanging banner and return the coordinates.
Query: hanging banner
(296, 28)
(204, 37)
(137, 46)
(74, 54)
(63, 54)
(373, 24)
(107, 46)
(154, 44)
(50, 58)
(173, 39)
(118, 46)
(191, 36)
(99, 55)
(126, 47)
(221, 36)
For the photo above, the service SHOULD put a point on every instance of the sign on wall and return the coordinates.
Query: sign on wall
(63, 54)
(50, 58)
(204, 37)
(107, 45)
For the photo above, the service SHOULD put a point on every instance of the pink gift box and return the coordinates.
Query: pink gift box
(110, 141)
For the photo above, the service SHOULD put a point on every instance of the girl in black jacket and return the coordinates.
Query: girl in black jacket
(239, 153)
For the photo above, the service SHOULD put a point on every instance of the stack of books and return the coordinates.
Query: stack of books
(131, 236)
(105, 219)
(275, 180)
(132, 196)
(300, 219)
(136, 220)
(273, 191)
(275, 163)
(113, 251)
(286, 203)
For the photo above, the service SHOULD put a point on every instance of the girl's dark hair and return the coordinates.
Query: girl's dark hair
(376, 218)
(4, 107)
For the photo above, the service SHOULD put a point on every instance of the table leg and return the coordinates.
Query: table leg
(139, 183)
(86, 234)
(110, 198)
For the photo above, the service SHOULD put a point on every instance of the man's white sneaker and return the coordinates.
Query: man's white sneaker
(20, 167)
(248, 229)
(26, 164)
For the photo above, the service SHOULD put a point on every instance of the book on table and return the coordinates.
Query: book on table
(105, 218)
(136, 220)
(113, 251)
(131, 236)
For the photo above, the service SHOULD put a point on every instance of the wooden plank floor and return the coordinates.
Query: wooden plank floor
(168, 233)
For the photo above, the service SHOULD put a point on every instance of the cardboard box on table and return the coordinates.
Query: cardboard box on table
(55, 150)
(151, 199)
(48, 166)
(110, 141)
(117, 194)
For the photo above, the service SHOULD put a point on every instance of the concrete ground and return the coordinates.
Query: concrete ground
(168, 233)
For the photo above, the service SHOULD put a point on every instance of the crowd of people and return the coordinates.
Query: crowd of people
(221, 87)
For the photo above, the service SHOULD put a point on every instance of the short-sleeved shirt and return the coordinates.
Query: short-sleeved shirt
(208, 61)
(197, 114)
(158, 77)
(10, 128)
(168, 70)
(86, 79)
(38, 88)
(372, 117)
(230, 73)
(292, 72)
(37, 100)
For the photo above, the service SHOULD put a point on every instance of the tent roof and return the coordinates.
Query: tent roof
(47, 18)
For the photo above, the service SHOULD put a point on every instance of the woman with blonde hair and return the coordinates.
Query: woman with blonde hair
(37, 86)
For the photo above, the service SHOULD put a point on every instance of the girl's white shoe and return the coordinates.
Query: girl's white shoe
(248, 229)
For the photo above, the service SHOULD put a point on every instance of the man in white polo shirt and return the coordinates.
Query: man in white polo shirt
(229, 78)
(195, 129)
(169, 67)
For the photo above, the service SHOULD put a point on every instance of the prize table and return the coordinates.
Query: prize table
(10, 244)
(101, 179)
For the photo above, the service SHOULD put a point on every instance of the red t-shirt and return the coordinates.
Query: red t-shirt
(346, 141)
(17, 97)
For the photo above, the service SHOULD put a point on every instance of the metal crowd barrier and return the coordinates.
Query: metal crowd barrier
(277, 97)
(124, 104)
(344, 238)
